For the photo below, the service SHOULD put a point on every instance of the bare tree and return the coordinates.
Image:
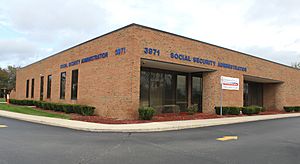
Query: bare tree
(296, 65)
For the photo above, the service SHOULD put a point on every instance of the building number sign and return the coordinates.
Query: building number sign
(152, 51)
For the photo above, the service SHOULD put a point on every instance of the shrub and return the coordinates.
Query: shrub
(146, 113)
(224, 110)
(292, 108)
(77, 108)
(297, 108)
(234, 110)
(67, 108)
(47, 106)
(288, 108)
(228, 110)
(22, 102)
(39, 104)
(249, 110)
(192, 109)
(87, 110)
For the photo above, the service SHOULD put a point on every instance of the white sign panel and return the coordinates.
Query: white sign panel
(230, 83)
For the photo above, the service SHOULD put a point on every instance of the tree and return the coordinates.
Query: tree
(7, 79)
(3, 81)
(296, 65)
(3, 78)
(11, 81)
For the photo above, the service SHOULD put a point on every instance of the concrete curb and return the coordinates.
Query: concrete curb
(142, 127)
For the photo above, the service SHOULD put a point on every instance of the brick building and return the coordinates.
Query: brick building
(140, 66)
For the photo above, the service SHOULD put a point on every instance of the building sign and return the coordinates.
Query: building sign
(182, 57)
(151, 51)
(198, 60)
(120, 51)
(84, 60)
(103, 55)
(230, 83)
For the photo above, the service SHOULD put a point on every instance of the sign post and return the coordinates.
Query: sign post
(228, 83)
(221, 98)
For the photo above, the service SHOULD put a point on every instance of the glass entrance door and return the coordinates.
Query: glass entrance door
(253, 94)
(197, 92)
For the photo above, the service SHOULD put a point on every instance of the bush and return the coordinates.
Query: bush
(224, 110)
(22, 102)
(87, 110)
(297, 108)
(234, 110)
(192, 109)
(228, 110)
(292, 108)
(249, 110)
(288, 108)
(146, 113)
(67, 108)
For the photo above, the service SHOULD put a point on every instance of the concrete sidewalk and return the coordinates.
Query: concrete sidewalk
(141, 127)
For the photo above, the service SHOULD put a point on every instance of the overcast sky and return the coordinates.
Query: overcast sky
(34, 29)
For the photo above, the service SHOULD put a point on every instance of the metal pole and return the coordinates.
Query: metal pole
(221, 100)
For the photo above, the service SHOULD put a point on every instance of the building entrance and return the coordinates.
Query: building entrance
(253, 93)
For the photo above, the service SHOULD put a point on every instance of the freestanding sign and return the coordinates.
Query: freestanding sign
(228, 83)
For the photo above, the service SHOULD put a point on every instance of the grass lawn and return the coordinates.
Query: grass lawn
(2, 99)
(31, 111)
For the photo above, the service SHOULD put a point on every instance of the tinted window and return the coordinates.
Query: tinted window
(74, 84)
(27, 88)
(144, 88)
(32, 88)
(49, 86)
(42, 88)
(62, 85)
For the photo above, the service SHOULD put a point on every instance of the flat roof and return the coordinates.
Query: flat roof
(150, 28)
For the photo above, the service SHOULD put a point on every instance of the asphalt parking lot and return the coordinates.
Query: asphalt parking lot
(272, 141)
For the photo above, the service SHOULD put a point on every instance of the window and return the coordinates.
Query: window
(49, 86)
(42, 88)
(27, 88)
(74, 84)
(197, 92)
(163, 90)
(62, 85)
(144, 88)
(253, 93)
(32, 88)
(181, 91)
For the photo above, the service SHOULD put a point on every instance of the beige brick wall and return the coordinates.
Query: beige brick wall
(109, 84)
(275, 95)
(112, 84)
